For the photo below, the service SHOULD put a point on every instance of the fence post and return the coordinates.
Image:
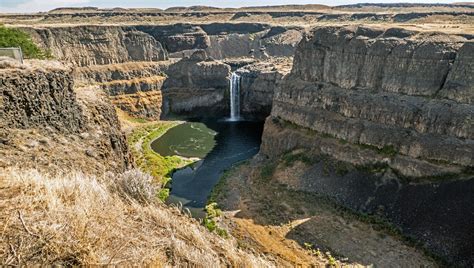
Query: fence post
(21, 55)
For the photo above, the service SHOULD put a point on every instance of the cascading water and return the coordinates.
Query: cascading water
(234, 97)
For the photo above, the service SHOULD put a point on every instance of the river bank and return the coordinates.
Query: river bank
(140, 136)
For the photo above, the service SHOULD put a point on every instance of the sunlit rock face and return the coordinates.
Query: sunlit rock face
(91, 45)
(388, 117)
(371, 87)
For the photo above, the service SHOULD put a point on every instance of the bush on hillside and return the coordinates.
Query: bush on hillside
(11, 37)
(136, 185)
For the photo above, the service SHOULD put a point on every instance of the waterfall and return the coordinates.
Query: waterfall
(234, 97)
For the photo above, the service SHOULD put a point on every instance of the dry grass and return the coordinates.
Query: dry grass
(75, 219)
(157, 79)
(32, 65)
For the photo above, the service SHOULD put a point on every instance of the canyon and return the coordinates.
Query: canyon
(367, 110)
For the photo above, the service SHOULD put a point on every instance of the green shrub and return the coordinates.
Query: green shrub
(213, 212)
(222, 233)
(11, 37)
(210, 224)
(163, 194)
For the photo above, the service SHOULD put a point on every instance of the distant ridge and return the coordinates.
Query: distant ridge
(184, 9)
(394, 5)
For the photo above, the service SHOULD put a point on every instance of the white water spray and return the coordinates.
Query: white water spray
(234, 97)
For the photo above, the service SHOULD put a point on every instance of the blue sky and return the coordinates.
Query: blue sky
(45, 5)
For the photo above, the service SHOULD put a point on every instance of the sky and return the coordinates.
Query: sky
(20, 6)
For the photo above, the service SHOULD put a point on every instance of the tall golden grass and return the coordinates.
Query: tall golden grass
(76, 219)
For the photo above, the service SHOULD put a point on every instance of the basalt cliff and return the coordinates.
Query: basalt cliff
(168, 70)
(386, 115)
(43, 118)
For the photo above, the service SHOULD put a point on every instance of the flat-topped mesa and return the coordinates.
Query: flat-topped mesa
(392, 88)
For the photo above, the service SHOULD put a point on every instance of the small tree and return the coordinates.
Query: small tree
(11, 37)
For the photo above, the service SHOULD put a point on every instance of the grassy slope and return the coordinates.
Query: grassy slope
(160, 167)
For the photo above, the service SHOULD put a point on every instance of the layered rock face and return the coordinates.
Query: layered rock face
(244, 39)
(178, 37)
(137, 87)
(90, 45)
(372, 88)
(196, 86)
(43, 119)
(98, 45)
(133, 87)
(396, 107)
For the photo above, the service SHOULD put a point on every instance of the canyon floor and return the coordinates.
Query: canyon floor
(292, 224)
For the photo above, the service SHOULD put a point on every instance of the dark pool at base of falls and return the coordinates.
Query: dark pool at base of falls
(233, 141)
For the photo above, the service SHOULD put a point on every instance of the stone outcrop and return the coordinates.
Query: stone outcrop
(224, 40)
(237, 40)
(39, 96)
(387, 115)
(459, 84)
(133, 87)
(126, 71)
(196, 86)
(178, 37)
(43, 118)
